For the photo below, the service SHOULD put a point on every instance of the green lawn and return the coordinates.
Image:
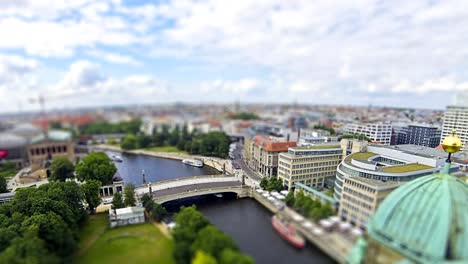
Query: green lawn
(360, 156)
(167, 149)
(138, 244)
(406, 168)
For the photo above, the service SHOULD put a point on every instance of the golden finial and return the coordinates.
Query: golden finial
(452, 144)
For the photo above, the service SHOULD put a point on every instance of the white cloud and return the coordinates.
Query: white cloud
(115, 58)
(307, 87)
(241, 86)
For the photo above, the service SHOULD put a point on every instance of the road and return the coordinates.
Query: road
(186, 188)
(246, 170)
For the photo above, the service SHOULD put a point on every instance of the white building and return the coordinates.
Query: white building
(456, 117)
(126, 216)
(377, 132)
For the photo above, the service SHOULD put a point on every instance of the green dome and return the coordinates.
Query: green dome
(425, 220)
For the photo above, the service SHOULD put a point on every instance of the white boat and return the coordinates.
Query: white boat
(195, 163)
(116, 158)
(219, 195)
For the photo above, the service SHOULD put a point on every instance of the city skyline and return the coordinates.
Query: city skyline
(81, 53)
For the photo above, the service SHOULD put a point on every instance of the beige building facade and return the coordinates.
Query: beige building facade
(310, 166)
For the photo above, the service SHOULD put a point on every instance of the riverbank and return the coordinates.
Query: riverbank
(221, 165)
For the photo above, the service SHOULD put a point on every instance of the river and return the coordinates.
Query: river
(245, 220)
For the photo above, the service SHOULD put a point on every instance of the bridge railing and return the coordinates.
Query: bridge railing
(175, 196)
(185, 179)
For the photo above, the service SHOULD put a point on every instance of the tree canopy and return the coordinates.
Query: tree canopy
(96, 166)
(117, 201)
(129, 194)
(61, 169)
(91, 192)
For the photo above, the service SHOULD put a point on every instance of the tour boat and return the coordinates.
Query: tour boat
(287, 231)
(219, 195)
(116, 158)
(195, 163)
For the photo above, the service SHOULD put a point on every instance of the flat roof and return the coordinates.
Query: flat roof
(406, 168)
(360, 156)
(321, 146)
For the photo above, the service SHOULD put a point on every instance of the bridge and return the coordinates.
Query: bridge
(170, 190)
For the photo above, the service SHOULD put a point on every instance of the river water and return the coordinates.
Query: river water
(156, 169)
(248, 222)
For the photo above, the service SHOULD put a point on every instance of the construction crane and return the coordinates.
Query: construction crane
(44, 121)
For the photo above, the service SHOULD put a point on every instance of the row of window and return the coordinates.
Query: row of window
(358, 194)
(48, 150)
(355, 201)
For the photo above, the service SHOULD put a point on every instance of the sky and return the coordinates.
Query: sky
(81, 53)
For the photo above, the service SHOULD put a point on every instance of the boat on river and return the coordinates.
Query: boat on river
(287, 231)
(195, 163)
(116, 158)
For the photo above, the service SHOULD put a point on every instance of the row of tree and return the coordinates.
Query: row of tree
(96, 128)
(157, 211)
(308, 206)
(197, 241)
(356, 136)
(41, 225)
(244, 116)
(208, 144)
(271, 184)
(128, 199)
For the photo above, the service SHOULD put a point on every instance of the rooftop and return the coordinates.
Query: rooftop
(360, 156)
(321, 146)
(406, 168)
(375, 183)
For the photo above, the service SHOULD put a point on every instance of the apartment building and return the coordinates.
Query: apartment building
(456, 118)
(310, 165)
(263, 154)
(420, 134)
(377, 132)
(308, 137)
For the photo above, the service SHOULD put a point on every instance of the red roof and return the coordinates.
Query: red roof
(270, 146)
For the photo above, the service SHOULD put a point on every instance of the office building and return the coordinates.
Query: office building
(456, 118)
(377, 132)
(420, 134)
(263, 154)
(364, 179)
(310, 165)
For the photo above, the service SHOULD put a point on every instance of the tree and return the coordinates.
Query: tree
(143, 141)
(212, 241)
(131, 127)
(129, 194)
(61, 169)
(229, 256)
(91, 191)
(290, 199)
(158, 212)
(117, 201)
(96, 166)
(3, 185)
(203, 258)
(264, 183)
(129, 142)
(147, 202)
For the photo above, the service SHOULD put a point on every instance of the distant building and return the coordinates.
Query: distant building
(364, 179)
(350, 146)
(420, 134)
(126, 216)
(13, 149)
(44, 149)
(309, 137)
(456, 117)
(310, 165)
(377, 132)
(263, 154)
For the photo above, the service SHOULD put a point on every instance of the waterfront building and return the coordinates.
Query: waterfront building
(364, 179)
(308, 137)
(126, 216)
(420, 134)
(264, 154)
(44, 149)
(423, 221)
(310, 165)
(456, 117)
(378, 132)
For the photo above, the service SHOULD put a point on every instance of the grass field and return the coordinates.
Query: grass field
(138, 244)
(167, 149)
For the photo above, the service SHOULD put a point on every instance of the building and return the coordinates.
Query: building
(364, 179)
(423, 221)
(126, 216)
(456, 117)
(350, 146)
(309, 137)
(264, 154)
(377, 132)
(44, 149)
(310, 165)
(117, 185)
(13, 149)
(419, 134)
